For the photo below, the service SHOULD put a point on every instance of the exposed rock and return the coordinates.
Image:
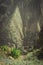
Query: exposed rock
(18, 22)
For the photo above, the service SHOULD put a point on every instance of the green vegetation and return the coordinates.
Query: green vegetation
(5, 49)
(10, 51)
(29, 59)
(15, 52)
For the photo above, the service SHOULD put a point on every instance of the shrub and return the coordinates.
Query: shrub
(15, 53)
(5, 49)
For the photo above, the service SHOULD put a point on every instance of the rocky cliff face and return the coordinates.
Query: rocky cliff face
(19, 22)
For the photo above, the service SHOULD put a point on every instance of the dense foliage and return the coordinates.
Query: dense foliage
(15, 53)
